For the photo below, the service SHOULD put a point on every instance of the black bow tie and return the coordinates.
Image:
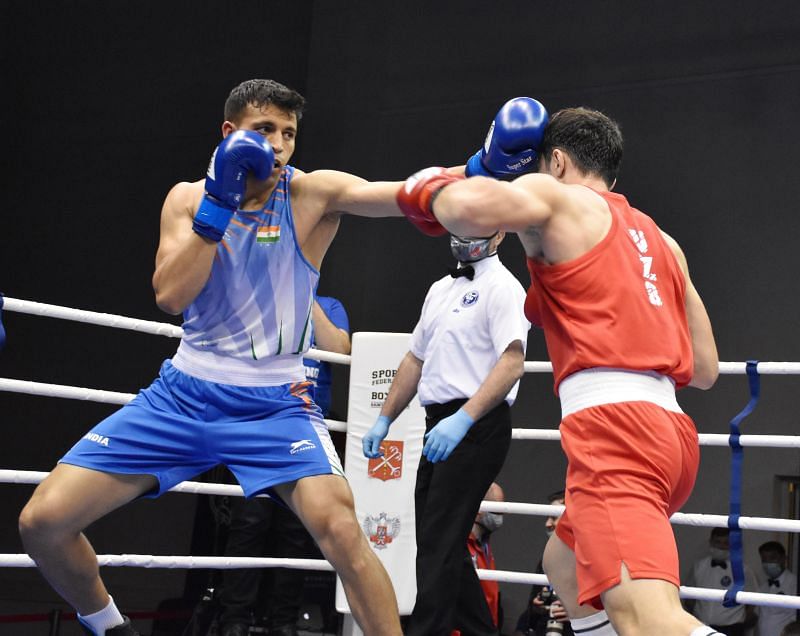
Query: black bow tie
(719, 564)
(774, 582)
(468, 271)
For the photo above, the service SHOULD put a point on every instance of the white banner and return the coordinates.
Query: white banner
(384, 487)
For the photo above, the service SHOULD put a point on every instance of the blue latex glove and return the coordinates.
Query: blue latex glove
(442, 439)
(371, 443)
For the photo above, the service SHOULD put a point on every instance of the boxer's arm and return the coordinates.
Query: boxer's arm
(184, 258)
(334, 192)
(480, 206)
(704, 347)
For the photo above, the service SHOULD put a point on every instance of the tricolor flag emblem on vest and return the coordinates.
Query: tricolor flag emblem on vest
(268, 234)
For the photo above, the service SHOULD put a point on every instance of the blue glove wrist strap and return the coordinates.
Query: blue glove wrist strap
(211, 219)
(475, 167)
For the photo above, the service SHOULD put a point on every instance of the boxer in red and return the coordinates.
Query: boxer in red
(624, 327)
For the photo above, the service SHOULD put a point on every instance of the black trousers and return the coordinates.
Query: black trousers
(447, 497)
(260, 526)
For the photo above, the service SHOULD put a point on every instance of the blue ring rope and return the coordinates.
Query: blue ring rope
(735, 506)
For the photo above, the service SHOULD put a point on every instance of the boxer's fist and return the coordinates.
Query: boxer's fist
(415, 198)
(240, 154)
(512, 144)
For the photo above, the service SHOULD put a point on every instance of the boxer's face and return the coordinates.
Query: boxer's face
(277, 126)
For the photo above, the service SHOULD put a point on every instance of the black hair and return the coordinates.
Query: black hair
(260, 93)
(720, 532)
(558, 494)
(591, 139)
(773, 546)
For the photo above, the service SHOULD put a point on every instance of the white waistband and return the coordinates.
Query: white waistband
(214, 367)
(593, 387)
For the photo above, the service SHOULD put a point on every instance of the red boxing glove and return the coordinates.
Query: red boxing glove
(416, 196)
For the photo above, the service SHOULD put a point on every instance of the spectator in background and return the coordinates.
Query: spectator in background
(714, 571)
(544, 609)
(780, 580)
(792, 629)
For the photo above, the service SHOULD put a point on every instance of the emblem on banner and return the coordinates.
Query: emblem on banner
(390, 465)
(381, 529)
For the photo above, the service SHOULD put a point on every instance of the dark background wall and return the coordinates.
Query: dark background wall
(107, 105)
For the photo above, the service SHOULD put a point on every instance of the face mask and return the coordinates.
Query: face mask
(772, 570)
(491, 521)
(471, 249)
(719, 554)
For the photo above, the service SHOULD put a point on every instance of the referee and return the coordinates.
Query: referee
(465, 361)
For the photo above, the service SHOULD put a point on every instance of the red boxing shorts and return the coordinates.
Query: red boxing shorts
(631, 466)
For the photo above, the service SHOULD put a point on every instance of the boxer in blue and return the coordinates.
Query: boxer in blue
(239, 255)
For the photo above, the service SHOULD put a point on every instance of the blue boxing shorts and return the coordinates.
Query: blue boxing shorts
(181, 426)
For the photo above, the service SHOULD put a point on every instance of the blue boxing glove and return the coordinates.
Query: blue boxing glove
(240, 154)
(371, 443)
(442, 439)
(512, 144)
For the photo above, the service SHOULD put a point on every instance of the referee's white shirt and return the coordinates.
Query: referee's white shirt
(464, 328)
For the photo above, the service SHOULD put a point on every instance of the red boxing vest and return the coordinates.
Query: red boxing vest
(620, 305)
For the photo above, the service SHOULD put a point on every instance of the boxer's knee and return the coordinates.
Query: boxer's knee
(42, 520)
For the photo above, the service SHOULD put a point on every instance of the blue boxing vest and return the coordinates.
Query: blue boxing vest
(251, 322)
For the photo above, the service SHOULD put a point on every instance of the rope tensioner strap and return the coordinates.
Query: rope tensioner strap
(735, 505)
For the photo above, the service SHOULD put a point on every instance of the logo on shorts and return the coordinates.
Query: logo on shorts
(302, 445)
(470, 298)
(381, 529)
(390, 466)
(97, 439)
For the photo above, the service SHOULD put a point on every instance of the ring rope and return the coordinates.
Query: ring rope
(231, 563)
(540, 434)
(133, 324)
(95, 395)
(168, 329)
(542, 510)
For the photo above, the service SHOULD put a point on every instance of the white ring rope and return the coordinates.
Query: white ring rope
(133, 324)
(231, 563)
(95, 395)
(168, 329)
(543, 510)
(191, 562)
(540, 434)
